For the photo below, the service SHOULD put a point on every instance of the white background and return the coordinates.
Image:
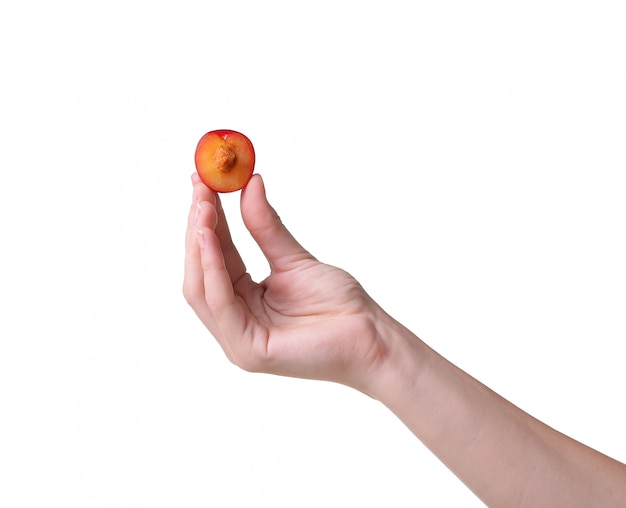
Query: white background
(464, 160)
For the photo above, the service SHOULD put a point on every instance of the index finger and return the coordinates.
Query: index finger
(235, 266)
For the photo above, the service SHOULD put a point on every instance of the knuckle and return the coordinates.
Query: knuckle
(250, 361)
(191, 295)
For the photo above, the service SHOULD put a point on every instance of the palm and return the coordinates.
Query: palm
(314, 318)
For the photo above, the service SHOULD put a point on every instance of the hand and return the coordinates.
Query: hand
(307, 319)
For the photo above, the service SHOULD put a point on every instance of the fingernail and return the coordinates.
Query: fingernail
(201, 239)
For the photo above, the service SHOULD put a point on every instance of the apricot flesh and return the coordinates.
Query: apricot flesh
(225, 160)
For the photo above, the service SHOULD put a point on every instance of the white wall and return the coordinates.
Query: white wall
(464, 160)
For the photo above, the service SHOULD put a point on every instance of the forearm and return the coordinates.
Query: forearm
(504, 455)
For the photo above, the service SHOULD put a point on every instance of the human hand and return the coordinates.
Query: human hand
(306, 319)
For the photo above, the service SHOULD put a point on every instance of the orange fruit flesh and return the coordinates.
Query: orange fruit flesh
(225, 160)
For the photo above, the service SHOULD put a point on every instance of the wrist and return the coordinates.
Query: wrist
(399, 370)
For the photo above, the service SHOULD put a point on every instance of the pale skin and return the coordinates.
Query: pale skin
(311, 320)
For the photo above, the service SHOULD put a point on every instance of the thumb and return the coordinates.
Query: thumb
(280, 248)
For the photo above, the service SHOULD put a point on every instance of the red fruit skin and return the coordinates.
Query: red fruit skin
(225, 160)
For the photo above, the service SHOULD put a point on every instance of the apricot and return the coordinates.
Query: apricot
(225, 160)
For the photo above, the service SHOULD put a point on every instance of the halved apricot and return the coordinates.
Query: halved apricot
(225, 160)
